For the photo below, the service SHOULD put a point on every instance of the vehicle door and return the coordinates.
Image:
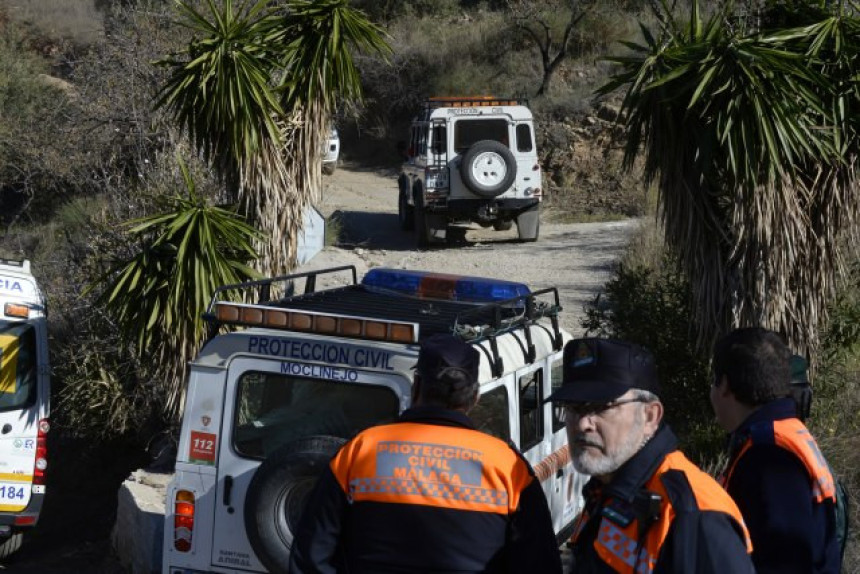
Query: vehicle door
(565, 500)
(525, 153)
(269, 404)
(533, 437)
(20, 412)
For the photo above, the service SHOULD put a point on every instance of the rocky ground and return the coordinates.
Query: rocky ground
(574, 257)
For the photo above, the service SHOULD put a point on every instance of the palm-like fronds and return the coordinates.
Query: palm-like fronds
(319, 39)
(748, 133)
(158, 296)
(256, 93)
(220, 88)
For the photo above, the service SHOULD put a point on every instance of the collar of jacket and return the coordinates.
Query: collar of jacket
(437, 416)
(777, 410)
(634, 473)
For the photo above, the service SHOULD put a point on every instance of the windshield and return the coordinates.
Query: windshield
(17, 365)
(274, 409)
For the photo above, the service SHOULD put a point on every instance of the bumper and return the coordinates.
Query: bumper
(483, 209)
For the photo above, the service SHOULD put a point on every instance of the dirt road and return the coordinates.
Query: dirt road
(574, 257)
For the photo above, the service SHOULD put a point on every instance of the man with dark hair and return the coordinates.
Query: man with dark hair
(775, 473)
(647, 508)
(428, 493)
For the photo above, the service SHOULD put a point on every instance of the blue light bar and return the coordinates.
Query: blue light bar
(426, 285)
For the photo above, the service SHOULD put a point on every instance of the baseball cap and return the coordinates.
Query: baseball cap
(440, 352)
(601, 370)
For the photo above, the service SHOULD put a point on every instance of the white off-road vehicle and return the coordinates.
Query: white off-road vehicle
(271, 400)
(24, 402)
(470, 159)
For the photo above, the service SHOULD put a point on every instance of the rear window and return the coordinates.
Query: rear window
(17, 365)
(467, 132)
(274, 409)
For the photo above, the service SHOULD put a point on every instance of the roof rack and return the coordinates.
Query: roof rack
(528, 309)
(471, 102)
(364, 312)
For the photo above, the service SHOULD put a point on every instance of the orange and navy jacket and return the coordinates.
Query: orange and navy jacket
(785, 491)
(429, 493)
(660, 513)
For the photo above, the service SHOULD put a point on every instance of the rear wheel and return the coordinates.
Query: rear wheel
(502, 225)
(528, 224)
(11, 545)
(405, 212)
(278, 493)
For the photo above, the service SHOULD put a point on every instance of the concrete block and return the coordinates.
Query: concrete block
(138, 532)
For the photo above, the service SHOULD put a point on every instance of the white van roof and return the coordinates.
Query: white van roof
(18, 284)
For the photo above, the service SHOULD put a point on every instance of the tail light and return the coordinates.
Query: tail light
(183, 520)
(41, 463)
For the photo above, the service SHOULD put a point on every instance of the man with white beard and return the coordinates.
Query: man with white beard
(647, 507)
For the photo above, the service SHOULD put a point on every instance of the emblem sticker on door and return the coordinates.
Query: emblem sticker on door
(202, 447)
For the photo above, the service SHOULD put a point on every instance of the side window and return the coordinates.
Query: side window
(422, 140)
(524, 138)
(413, 142)
(440, 139)
(555, 380)
(17, 365)
(531, 400)
(490, 415)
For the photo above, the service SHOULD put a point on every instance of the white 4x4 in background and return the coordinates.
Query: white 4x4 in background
(471, 159)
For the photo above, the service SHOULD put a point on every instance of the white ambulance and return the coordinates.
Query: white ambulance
(24, 402)
(270, 401)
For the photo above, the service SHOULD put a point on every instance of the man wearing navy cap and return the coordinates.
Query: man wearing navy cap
(647, 508)
(429, 493)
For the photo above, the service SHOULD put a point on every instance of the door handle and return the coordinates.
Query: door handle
(7, 428)
(228, 489)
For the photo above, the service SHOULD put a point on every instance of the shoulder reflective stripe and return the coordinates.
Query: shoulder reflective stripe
(793, 436)
(709, 495)
(620, 550)
(415, 486)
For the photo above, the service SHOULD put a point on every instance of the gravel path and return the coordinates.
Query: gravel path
(576, 258)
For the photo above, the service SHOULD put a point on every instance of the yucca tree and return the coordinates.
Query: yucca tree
(748, 123)
(159, 294)
(255, 91)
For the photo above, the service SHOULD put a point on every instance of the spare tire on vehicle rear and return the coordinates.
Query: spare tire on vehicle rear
(278, 493)
(488, 168)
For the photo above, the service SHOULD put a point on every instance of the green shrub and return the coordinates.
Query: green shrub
(648, 302)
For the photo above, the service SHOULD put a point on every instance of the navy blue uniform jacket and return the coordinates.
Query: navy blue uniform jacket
(335, 536)
(790, 533)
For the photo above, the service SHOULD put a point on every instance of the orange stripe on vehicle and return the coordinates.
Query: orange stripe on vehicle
(11, 508)
(554, 462)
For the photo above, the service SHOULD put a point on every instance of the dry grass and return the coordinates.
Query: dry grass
(76, 20)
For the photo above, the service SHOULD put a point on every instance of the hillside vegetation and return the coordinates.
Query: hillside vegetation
(83, 152)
